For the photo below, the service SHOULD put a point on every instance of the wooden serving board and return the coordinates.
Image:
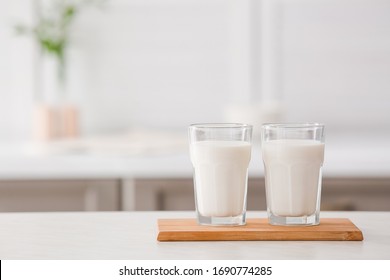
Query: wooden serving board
(329, 229)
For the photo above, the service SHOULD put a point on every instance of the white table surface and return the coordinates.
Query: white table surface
(132, 235)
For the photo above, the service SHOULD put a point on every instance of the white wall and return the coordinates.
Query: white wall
(336, 58)
(16, 67)
(154, 63)
(170, 63)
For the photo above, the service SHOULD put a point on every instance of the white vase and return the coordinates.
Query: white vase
(55, 117)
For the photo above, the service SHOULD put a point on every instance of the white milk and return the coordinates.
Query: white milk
(292, 170)
(221, 171)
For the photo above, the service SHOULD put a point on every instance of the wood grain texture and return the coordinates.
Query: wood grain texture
(330, 229)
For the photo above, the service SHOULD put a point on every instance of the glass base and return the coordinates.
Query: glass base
(311, 220)
(222, 221)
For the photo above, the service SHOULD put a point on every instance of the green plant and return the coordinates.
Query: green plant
(52, 28)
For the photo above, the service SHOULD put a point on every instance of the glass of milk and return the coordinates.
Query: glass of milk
(293, 155)
(220, 154)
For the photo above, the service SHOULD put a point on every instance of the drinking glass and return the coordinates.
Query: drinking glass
(293, 155)
(220, 154)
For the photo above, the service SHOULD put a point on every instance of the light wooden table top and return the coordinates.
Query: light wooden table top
(132, 235)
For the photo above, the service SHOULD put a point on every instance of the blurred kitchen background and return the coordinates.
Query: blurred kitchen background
(96, 96)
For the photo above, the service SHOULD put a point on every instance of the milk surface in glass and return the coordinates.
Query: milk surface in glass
(221, 171)
(293, 171)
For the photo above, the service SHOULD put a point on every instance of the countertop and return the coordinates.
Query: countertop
(156, 154)
(132, 235)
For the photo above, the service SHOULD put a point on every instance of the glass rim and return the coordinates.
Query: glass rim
(292, 125)
(220, 125)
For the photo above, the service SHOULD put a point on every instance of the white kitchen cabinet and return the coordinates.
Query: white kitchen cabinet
(338, 194)
(174, 194)
(59, 195)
